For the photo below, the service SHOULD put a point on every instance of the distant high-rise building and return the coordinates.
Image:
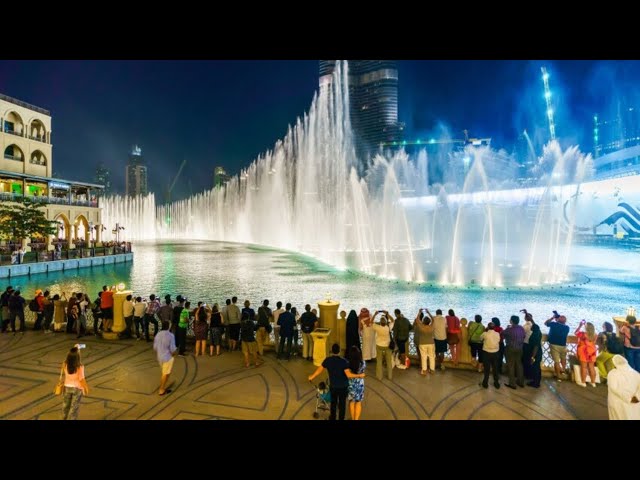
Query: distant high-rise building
(220, 177)
(621, 131)
(103, 177)
(136, 173)
(373, 94)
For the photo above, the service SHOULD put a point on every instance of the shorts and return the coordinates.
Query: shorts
(558, 352)
(167, 366)
(453, 338)
(441, 346)
(107, 313)
(250, 348)
(234, 331)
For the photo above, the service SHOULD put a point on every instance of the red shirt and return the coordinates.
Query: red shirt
(106, 299)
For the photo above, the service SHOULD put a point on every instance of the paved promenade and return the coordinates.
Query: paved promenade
(124, 377)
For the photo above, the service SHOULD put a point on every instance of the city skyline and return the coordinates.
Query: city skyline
(227, 112)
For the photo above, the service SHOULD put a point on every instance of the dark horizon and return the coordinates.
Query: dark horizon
(228, 112)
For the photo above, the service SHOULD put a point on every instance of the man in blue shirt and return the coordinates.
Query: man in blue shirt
(557, 338)
(339, 374)
(164, 343)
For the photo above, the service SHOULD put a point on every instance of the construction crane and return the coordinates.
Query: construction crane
(547, 97)
(167, 197)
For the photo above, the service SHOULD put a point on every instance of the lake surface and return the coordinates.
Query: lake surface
(214, 271)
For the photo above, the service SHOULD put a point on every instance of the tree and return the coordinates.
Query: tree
(23, 218)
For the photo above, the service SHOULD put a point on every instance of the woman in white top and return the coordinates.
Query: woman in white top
(75, 384)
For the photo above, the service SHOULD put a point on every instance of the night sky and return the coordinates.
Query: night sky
(227, 112)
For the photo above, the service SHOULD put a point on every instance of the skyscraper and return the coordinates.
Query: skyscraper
(103, 177)
(220, 177)
(373, 92)
(136, 173)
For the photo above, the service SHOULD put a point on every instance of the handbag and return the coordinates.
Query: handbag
(392, 343)
(59, 388)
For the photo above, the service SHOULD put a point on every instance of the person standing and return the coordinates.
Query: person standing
(426, 342)
(286, 321)
(535, 352)
(264, 319)
(514, 338)
(16, 309)
(165, 313)
(453, 335)
(623, 384)
(150, 316)
(4, 302)
(356, 385)
(175, 315)
(106, 306)
(631, 335)
(249, 344)
(587, 352)
(47, 306)
(275, 315)
(181, 331)
(215, 327)
(353, 331)
(164, 344)
(476, 330)
(557, 338)
(138, 317)
(439, 336)
(128, 313)
(368, 335)
(609, 345)
(401, 328)
(308, 323)
(490, 355)
(339, 375)
(499, 330)
(201, 330)
(75, 384)
(233, 323)
(40, 312)
(383, 340)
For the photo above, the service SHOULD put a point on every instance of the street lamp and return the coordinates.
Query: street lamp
(116, 232)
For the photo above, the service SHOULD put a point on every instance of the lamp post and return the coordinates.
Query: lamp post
(116, 232)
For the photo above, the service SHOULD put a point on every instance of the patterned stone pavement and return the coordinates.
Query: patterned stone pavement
(124, 375)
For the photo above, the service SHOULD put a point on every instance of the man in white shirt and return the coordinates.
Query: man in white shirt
(138, 316)
(383, 338)
(490, 348)
(128, 314)
(439, 336)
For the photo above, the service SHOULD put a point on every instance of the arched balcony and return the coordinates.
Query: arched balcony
(38, 158)
(13, 124)
(37, 131)
(13, 152)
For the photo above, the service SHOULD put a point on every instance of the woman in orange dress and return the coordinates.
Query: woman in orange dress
(587, 352)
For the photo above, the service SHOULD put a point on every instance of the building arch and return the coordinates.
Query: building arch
(14, 118)
(37, 130)
(14, 152)
(81, 228)
(64, 228)
(38, 158)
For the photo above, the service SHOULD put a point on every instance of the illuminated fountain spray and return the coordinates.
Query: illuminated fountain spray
(305, 195)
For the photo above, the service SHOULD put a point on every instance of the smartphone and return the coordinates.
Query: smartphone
(82, 345)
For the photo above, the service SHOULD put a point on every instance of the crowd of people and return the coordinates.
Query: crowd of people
(515, 350)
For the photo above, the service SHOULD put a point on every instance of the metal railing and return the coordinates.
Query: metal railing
(12, 197)
(65, 254)
(20, 103)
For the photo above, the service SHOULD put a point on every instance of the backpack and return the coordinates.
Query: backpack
(614, 345)
(33, 305)
(634, 336)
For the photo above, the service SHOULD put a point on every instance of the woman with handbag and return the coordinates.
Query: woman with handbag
(74, 384)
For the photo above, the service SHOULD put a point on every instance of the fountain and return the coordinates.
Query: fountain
(306, 196)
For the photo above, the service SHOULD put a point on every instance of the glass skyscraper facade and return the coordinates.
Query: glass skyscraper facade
(373, 92)
(136, 173)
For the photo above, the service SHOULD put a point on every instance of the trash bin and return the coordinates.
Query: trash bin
(320, 336)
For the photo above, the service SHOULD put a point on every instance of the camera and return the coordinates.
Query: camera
(556, 314)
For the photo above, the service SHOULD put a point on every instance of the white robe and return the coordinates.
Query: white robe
(368, 342)
(623, 384)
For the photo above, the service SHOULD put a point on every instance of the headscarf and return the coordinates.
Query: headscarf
(365, 317)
